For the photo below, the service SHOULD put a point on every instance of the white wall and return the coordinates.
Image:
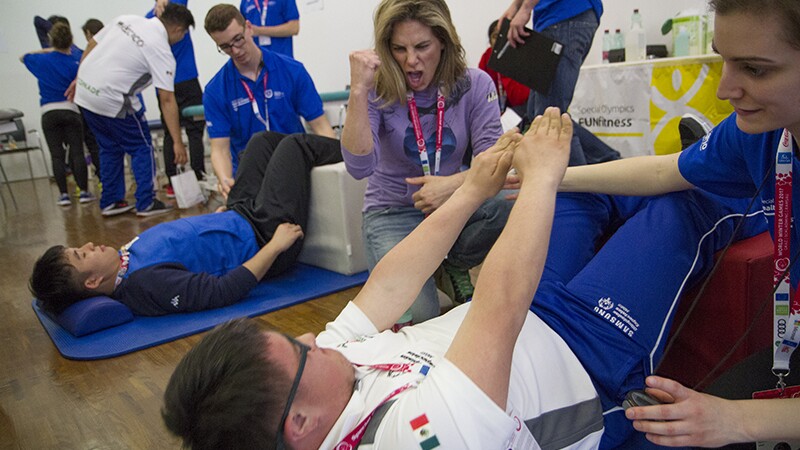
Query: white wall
(326, 37)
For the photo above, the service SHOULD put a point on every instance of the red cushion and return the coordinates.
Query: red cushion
(735, 295)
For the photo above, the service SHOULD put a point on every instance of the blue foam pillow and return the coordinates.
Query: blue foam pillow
(93, 314)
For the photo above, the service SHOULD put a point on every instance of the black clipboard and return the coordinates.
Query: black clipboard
(533, 64)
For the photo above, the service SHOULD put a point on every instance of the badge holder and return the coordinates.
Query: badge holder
(781, 391)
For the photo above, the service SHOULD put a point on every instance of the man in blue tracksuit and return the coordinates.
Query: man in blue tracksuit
(205, 261)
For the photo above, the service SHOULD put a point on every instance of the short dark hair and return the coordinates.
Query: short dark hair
(219, 17)
(225, 393)
(492, 27)
(60, 36)
(55, 282)
(175, 14)
(92, 26)
(54, 19)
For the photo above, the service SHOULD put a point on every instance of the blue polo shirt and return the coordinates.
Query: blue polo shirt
(183, 50)
(551, 12)
(290, 93)
(278, 12)
(54, 72)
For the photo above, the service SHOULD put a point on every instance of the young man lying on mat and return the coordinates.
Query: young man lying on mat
(472, 377)
(200, 262)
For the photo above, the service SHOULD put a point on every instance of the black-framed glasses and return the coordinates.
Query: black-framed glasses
(303, 349)
(237, 42)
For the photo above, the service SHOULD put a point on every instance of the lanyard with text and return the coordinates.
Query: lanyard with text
(263, 11)
(415, 123)
(786, 318)
(254, 103)
(353, 438)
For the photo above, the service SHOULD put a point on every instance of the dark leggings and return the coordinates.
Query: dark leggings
(63, 128)
(273, 184)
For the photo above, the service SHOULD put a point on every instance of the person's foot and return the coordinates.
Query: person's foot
(455, 282)
(116, 208)
(691, 129)
(170, 191)
(86, 197)
(63, 200)
(155, 208)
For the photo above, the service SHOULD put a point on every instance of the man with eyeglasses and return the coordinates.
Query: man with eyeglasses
(255, 91)
(138, 51)
(499, 372)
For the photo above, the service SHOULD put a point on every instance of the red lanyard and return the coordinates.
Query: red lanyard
(415, 123)
(262, 11)
(254, 104)
(353, 438)
(786, 316)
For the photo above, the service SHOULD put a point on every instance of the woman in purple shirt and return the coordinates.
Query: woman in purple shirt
(425, 110)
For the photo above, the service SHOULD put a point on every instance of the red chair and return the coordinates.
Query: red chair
(738, 294)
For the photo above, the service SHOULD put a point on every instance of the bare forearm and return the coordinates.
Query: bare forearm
(221, 158)
(290, 28)
(260, 263)
(394, 283)
(169, 108)
(357, 134)
(321, 127)
(644, 175)
(761, 420)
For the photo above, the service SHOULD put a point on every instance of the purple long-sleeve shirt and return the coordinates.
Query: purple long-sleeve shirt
(471, 120)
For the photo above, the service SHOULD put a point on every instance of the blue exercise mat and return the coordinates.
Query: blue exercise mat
(301, 284)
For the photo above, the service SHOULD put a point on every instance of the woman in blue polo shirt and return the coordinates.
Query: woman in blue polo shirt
(55, 68)
(751, 154)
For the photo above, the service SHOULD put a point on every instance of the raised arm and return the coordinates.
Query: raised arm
(484, 344)
(397, 279)
(643, 175)
(691, 418)
(357, 135)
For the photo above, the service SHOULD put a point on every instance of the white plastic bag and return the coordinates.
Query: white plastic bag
(187, 189)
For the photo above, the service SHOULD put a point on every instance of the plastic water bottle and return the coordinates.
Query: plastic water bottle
(619, 40)
(682, 43)
(635, 41)
(606, 45)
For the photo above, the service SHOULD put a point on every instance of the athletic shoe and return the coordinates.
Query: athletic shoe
(170, 191)
(155, 208)
(692, 129)
(63, 200)
(86, 197)
(454, 282)
(117, 208)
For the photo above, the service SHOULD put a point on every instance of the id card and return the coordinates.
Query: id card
(522, 439)
(264, 40)
(789, 392)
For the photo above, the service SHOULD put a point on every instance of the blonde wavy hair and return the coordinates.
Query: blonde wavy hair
(390, 81)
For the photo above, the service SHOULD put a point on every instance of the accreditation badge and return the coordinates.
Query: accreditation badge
(788, 392)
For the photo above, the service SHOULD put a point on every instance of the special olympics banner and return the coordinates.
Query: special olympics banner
(613, 102)
(636, 107)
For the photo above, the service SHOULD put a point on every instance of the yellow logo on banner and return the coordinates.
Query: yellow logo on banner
(681, 89)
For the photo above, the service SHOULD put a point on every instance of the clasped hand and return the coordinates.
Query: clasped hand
(542, 154)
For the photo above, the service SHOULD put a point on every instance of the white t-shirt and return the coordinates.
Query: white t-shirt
(549, 389)
(132, 52)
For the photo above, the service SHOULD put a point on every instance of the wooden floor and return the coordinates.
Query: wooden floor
(48, 402)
